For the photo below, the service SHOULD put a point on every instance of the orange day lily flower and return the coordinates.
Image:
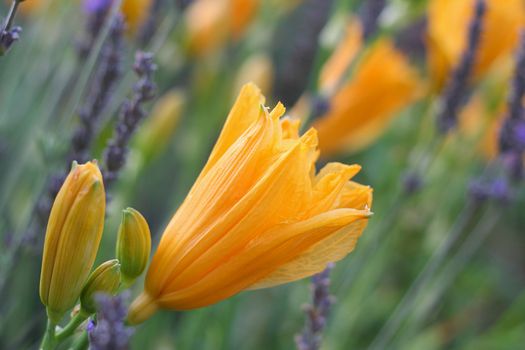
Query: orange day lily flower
(382, 84)
(257, 216)
(448, 23)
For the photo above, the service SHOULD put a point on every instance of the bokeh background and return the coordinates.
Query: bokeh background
(441, 264)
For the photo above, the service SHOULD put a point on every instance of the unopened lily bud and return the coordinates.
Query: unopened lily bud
(133, 245)
(72, 238)
(155, 134)
(257, 69)
(105, 279)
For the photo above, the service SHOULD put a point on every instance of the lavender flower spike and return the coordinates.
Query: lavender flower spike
(9, 34)
(455, 92)
(132, 113)
(108, 74)
(96, 12)
(109, 331)
(512, 133)
(297, 46)
(316, 313)
(511, 140)
(150, 26)
(518, 83)
(369, 14)
(100, 93)
(7, 39)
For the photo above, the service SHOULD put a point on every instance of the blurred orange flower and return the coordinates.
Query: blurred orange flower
(383, 83)
(448, 23)
(210, 23)
(257, 216)
(135, 12)
(337, 65)
(29, 6)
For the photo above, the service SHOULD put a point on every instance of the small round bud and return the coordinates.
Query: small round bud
(105, 279)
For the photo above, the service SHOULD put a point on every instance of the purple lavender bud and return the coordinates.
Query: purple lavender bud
(411, 39)
(512, 135)
(317, 313)
(8, 38)
(513, 163)
(518, 83)
(96, 6)
(519, 135)
(109, 331)
(478, 191)
(90, 326)
(456, 90)
(296, 47)
(320, 106)
(369, 14)
(499, 190)
(412, 183)
(150, 26)
(512, 132)
(131, 114)
(107, 75)
(97, 12)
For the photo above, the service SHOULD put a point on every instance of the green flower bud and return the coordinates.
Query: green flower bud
(133, 245)
(105, 279)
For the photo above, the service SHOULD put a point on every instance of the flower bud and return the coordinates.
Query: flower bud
(72, 238)
(155, 134)
(133, 245)
(105, 279)
(257, 69)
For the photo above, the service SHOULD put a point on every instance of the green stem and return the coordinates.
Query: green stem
(72, 326)
(49, 341)
(406, 305)
(11, 15)
(81, 343)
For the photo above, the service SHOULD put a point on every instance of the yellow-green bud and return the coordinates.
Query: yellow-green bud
(257, 69)
(72, 238)
(155, 134)
(105, 279)
(133, 245)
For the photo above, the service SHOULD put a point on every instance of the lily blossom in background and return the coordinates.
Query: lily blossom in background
(448, 23)
(382, 84)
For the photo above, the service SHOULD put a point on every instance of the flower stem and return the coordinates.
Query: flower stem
(72, 326)
(81, 343)
(439, 255)
(49, 341)
(11, 15)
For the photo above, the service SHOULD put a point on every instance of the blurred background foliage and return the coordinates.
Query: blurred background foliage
(435, 268)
